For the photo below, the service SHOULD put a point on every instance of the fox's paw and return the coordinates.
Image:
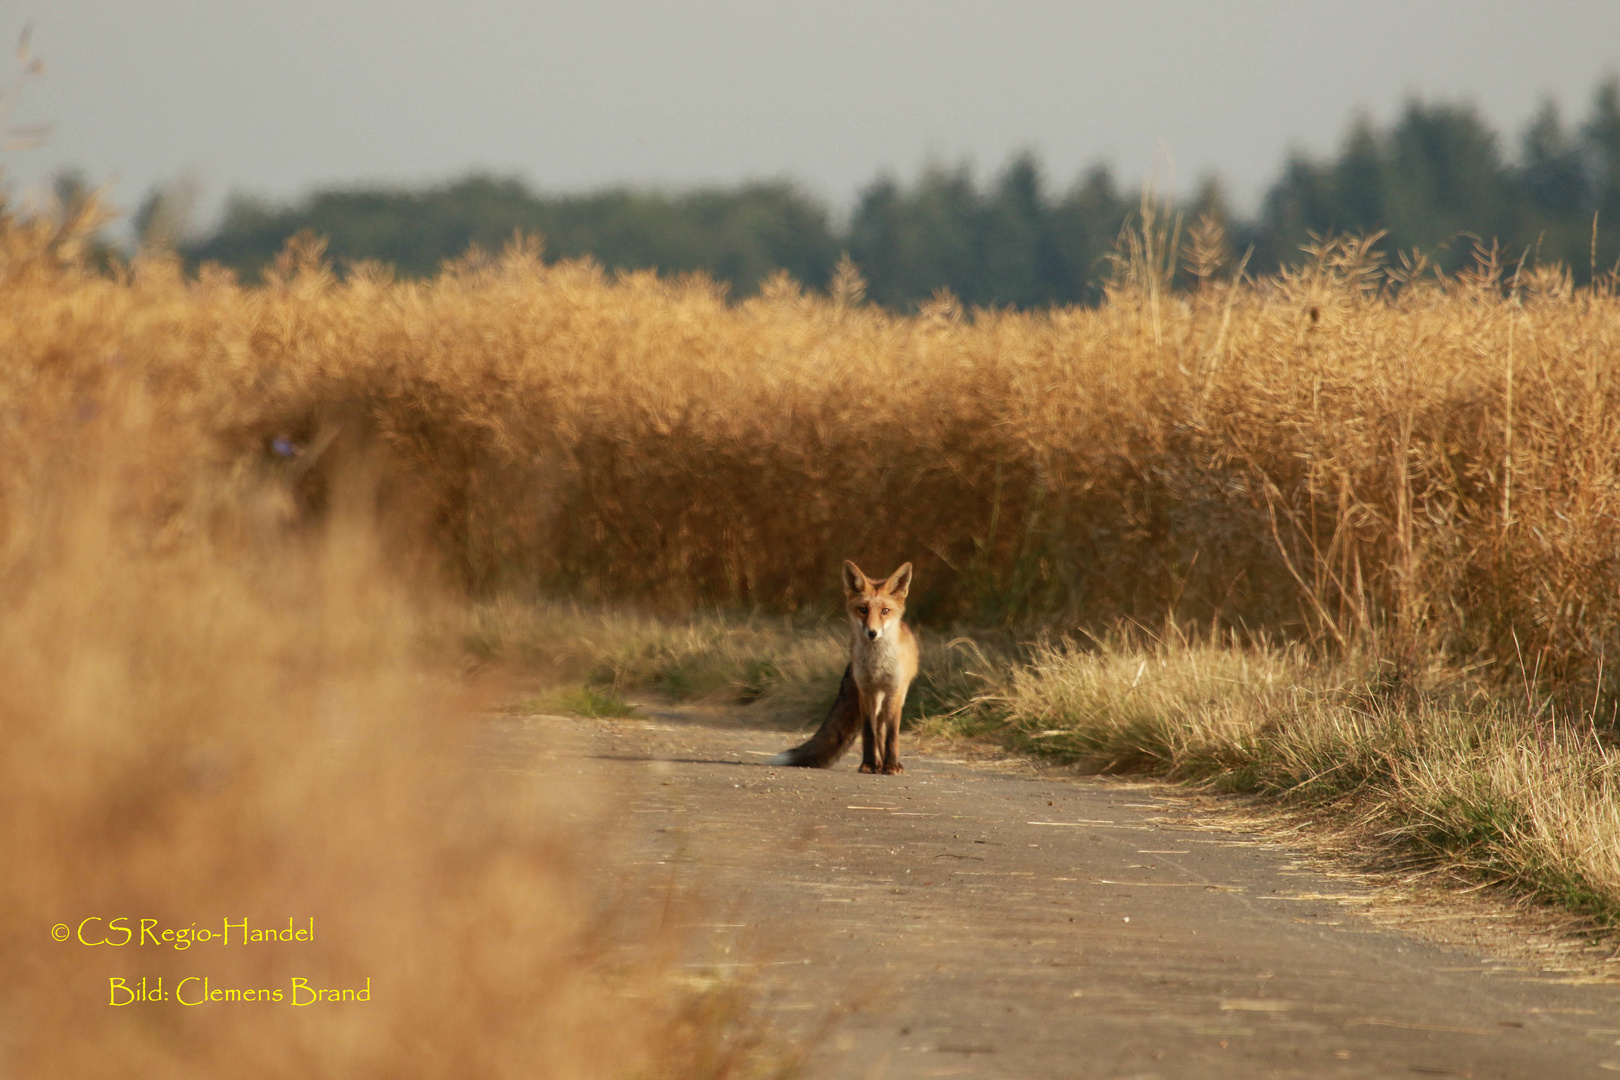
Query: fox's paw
(891, 769)
(868, 767)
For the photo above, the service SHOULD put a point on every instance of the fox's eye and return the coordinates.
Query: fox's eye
(865, 610)
(887, 610)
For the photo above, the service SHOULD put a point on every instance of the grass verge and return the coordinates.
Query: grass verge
(1447, 772)
(787, 672)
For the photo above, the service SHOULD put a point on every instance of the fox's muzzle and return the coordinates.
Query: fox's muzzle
(872, 633)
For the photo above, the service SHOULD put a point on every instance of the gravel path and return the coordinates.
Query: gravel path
(992, 919)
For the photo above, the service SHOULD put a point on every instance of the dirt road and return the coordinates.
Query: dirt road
(989, 919)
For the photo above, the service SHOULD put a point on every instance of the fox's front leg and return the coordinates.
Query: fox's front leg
(871, 733)
(891, 734)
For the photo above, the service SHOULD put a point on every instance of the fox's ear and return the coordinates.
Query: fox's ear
(899, 582)
(855, 582)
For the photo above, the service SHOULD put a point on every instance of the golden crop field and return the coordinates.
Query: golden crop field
(1417, 466)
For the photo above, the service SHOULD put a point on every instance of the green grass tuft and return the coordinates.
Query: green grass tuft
(592, 701)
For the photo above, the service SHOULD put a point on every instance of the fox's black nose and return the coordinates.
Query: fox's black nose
(871, 633)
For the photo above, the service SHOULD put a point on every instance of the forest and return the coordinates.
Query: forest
(1437, 182)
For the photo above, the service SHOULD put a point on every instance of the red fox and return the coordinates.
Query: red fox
(882, 663)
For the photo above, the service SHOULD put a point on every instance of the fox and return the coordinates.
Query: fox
(883, 659)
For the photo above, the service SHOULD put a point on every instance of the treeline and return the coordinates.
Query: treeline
(1437, 182)
(740, 235)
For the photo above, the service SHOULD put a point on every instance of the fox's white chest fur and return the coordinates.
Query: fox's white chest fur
(878, 664)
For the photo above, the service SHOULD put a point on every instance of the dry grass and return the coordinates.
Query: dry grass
(786, 672)
(789, 670)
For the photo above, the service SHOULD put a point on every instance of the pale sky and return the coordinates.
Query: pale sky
(277, 98)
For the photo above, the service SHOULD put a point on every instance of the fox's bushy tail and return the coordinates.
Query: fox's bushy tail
(834, 735)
